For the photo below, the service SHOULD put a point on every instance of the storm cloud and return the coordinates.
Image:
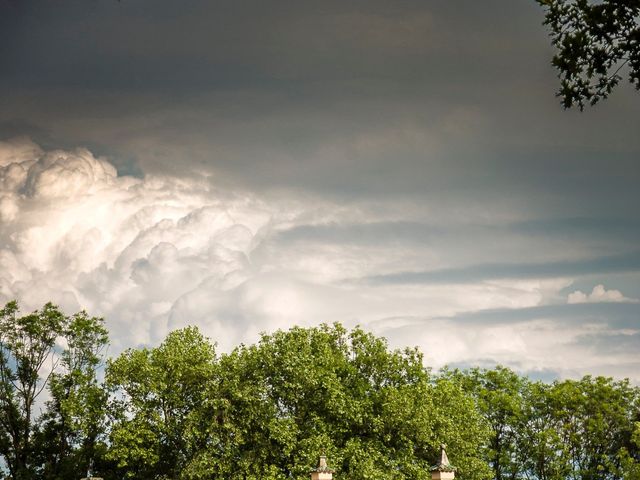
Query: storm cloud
(246, 166)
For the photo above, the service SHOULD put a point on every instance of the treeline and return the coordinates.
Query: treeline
(266, 411)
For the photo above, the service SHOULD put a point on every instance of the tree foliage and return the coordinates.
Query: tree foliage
(578, 428)
(571, 429)
(159, 393)
(47, 351)
(499, 395)
(266, 411)
(595, 40)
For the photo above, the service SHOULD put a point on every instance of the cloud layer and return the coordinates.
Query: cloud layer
(156, 253)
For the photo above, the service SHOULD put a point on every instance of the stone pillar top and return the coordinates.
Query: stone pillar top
(322, 471)
(443, 470)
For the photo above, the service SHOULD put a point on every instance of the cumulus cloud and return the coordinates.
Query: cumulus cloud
(597, 295)
(75, 232)
(156, 253)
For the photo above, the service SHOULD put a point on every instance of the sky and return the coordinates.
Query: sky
(249, 166)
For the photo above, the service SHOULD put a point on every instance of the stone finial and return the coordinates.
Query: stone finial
(443, 470)
(322, 471)
(91, 477)
(90, 473)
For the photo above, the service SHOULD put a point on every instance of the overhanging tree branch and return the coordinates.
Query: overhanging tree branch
(595, 40)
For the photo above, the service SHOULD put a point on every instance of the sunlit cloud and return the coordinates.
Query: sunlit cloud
(157, 252)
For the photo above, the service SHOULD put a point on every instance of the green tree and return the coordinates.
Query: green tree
(541, 451)
(578, 429)
(630, 456)
(266, 411)
(26, 348)
(70, 437)
(376, 413)
(594, 39)
(48, 350)
(499, 394)
(595, 414)
(157, 398)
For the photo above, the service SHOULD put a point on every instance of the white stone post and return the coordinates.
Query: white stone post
(443, 470)
(322, 471)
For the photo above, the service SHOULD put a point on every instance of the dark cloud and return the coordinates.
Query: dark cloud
(610, 230)
(163, 44)
(448, 102)
(627, 262)
(618, 315)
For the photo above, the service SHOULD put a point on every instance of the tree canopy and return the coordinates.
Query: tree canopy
(266, 411)
(58, 355)
(595, 41)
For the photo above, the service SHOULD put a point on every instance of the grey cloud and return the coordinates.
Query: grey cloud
(626, 262)
(378, 232)
(143, 44)
(620, 315)
(615, 344)
(614, 231)
(605, 228)
(451, 104)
